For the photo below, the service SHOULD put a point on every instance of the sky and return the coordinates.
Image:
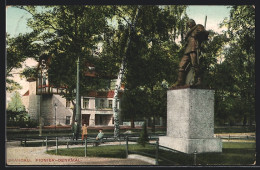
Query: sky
(16, 20)
(215, 15)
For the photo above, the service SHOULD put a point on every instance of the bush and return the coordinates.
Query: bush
(143, 139)
(20, 119)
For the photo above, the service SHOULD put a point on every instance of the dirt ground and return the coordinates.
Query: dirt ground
(17, 155)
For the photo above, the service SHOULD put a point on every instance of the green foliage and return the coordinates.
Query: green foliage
(18, 49)
(65, 33)
(29, 72)
(132, 103)
(15, 104)
(152, 60)
(228, 64)
(16, 114)
(11, 85)
(235, 76)
(69, 32)
(20, 119)
(143, 138)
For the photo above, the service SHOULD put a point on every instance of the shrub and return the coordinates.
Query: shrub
(143, 139)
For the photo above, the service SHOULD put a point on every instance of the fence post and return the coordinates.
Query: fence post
(25, 141)
(157, 151)
(46, 143)
(56, 145)
(85, 147)
(195, 157)
(126, 147)
(67, 145)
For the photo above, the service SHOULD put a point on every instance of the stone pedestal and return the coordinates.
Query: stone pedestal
(190, 121)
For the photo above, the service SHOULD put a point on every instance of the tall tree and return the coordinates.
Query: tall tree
(131, 29)
(18, 50)
(69, 32)
(15, 103)
(153, 54)
(237, 93)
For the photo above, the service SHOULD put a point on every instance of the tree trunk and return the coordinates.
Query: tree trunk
(74, 113)
(132, 122)
(153, 124)
(115, 99)
(245, 120)
(119, 81)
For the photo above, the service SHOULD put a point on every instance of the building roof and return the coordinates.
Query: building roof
(26, 93)
(102, 94)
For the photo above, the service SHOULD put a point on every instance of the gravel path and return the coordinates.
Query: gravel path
(17, 155)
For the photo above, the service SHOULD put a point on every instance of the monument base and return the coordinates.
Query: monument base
(191, 145)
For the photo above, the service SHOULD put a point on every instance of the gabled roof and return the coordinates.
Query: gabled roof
(26, 93)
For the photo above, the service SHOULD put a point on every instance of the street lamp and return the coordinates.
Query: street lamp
(78, 113)
(55, 105)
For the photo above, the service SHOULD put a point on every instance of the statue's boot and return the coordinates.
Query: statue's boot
(181, 80)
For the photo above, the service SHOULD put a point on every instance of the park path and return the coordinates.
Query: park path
(17, 155)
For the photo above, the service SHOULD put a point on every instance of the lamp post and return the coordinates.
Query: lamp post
(78, 114)
(55, 106)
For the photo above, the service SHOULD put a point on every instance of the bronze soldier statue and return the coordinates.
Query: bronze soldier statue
(194, 37)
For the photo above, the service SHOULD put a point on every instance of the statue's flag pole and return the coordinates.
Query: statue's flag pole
(205, 22)
(198, 51)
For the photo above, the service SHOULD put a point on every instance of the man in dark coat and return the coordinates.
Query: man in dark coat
(75, 130)
(194, 37)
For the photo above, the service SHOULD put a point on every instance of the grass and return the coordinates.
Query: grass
(110, 151)
(234, 153)
(234, 129)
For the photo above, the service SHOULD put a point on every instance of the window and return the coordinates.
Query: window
(85, 103)
(102, 102)
(67, 103)
(110, 103)
(67, 120)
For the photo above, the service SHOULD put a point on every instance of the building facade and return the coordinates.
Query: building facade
(46, 105)
(51, 109)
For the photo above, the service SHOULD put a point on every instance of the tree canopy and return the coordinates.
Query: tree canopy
(98, 35)
(238, 68)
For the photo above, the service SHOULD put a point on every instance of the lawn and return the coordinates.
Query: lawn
(234, 153)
